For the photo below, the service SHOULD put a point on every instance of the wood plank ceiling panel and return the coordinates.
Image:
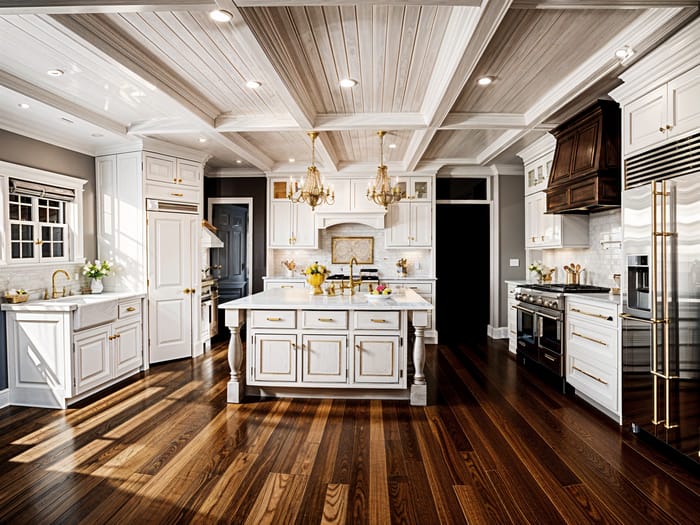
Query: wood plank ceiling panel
(281, 146)
(360, 145)
(450, 144)
(200, 52)
(533, 50)
(31, 45)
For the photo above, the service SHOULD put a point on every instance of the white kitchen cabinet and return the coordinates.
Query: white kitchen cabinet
(512, 318)
(288, 282)
(416, 189)
(664, 113)
(376, 359)
(537, 160)
(127, 345)
(552, 230)
(593, 352)
(324, 358)
(274, 358)
(92, 350)
(410, 224)
(290, 224)
(172, 170)
(424, 288)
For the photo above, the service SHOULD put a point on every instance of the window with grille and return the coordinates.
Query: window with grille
(37, 229)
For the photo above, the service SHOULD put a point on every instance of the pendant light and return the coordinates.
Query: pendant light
(381, 191)
(312, 190)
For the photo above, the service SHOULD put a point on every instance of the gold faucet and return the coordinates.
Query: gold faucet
(54, 293)
(351, 282)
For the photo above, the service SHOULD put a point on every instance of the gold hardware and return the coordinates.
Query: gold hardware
(326, 319)
(550, 357)
(542, 237)
(186, 290)
(602, 343)
(641, 319)
(590, 375)
(286, 286)
(179, 181)
(662, 130)
(668, 126)
(532, 239)
(378, 320)
(351, 282)
(175, 179)
(597, 316)
(274, 318)
(177, 194)
(38, 241)
(130, 309)
(54, 293)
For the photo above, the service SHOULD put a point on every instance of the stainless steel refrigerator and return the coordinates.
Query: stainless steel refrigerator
(661, 311)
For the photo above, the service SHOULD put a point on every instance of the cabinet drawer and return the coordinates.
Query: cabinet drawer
(273, 319)
(324, 319)
(601, 314)
(591, 341)
(597, 382)
(283, 284)
(171, 192)
(377, 320)
(129, 309)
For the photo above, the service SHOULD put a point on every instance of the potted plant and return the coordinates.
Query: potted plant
(95, 271)
(315, 275)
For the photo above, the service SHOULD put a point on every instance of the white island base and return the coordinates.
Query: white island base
(299, 345)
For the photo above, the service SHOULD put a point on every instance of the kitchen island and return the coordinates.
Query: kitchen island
(345, 346)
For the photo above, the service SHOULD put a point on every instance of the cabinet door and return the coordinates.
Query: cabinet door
(93, 358)
(275, 358)
(683, 108)
(324, 359)
(280, 224)
(531, 218)
(304, 221)
(420, 189)
(399, 230)
(376, 359)
(587, 137)
(127, 346)
(189, 173)
(421, 230)
(644, 121)
(343, 196)
(359, 200)
(561, 166)
(160, 168)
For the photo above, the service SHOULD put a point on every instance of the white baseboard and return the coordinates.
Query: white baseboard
(4, 398)
(500, 332)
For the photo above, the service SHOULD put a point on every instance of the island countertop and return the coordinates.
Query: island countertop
(300, 299)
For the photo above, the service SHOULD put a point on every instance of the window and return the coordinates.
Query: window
(42, 216)
(462, 189)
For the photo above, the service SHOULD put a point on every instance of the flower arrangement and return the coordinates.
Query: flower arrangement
(381, 289)
(316, 268)
(97, 269)
(289, 265)
(543, 273)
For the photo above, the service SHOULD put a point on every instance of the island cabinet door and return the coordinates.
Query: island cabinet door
(377, 359)
(275, 358)
(324, 359)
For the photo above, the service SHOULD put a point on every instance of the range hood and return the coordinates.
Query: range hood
(209, 238)
(585, 175)
(373, 219)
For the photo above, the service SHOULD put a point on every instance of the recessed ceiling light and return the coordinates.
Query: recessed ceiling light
(96, 135)
(219, 15)
(348, 83)
(253, 84)
(624, 53)
(54, 72)
(292, 159)
(23, 105)
(202, 139)
(392, 146)
(484, 81)
(67, 120)
(238, 161)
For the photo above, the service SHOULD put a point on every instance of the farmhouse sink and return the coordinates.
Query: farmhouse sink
(90, 310)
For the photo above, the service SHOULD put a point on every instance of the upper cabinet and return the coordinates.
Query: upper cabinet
(410, 222)
(171, 170)
(290, 225)
(537, 160)
(666, 112)
(416, 189)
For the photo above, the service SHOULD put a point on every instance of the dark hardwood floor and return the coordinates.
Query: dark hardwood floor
(499, 445)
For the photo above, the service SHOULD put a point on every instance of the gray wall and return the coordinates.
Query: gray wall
(35, 154)
(512, 236)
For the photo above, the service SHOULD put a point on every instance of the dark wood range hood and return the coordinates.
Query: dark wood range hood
(585, 174)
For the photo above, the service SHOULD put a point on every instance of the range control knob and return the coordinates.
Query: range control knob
(553, 304)
(539, 300)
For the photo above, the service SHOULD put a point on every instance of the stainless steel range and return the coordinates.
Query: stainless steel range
(540, 333)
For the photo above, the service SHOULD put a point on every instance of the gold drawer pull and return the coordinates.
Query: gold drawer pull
(286, 286)
(602, 343)
(177, 194)
(597, 316)
(378, 320)
(590, 375)
(326, 319)
(274, 318)
(130, 309)
(550, 357)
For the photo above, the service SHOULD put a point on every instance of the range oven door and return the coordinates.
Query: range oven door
(549, 340)
(526, 332)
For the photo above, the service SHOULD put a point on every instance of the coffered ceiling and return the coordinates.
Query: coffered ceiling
(164, 69)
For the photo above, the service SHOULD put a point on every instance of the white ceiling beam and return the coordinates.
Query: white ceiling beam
(261, 122)
(165, 126)
(244, 149)
(55, 7)
(285, 3)
(374, 121)
(19, 85)
(457, 121)
(465, 41)
(601, 4)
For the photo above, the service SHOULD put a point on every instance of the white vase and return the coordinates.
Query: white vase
(96, 286)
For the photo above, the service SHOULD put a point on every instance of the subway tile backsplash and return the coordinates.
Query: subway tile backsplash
(36, 279)
(602, 259)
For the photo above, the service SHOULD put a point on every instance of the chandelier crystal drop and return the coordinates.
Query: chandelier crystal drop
(381, 192)
(312, 191)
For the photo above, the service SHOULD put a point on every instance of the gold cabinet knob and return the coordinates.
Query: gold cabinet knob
(662, 129)
(186, 290)
(668, 126)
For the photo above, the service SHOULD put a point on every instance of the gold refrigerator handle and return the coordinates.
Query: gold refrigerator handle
(652, 282)
(666, 234)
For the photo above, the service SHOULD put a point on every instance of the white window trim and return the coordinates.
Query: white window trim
(74, 211)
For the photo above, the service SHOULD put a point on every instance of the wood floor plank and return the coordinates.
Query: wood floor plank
(279, 500)
(335, 508)
(378, 486)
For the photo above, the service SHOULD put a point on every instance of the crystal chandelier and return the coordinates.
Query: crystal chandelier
(311, 191)
(381, 191)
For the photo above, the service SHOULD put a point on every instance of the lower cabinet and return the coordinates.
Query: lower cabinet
(364, 350)
(512, 319)
(593, 352)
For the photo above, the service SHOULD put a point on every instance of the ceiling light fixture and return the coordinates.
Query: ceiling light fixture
(221, 16)
(67, 120)
(23, 105)
(311, 190)
(392, 146)
(381, 192)
(485, 81)
(96, 135)
(624, 53)
(202, 139)
(238, 161)
(54, 72)
(253, 84)
(348, 83)
(292, 159)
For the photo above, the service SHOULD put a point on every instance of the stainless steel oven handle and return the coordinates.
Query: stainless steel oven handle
(523, 309)
(551, 317)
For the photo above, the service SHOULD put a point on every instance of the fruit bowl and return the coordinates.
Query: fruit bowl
(377, 297)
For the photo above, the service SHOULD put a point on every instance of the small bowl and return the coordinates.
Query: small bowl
(378, 297)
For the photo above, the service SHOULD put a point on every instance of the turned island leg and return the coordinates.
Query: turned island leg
(236, 385)
(419, 388)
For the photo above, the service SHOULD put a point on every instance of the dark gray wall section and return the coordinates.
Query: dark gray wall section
(250, 187)
(35, 154)
(511, 219)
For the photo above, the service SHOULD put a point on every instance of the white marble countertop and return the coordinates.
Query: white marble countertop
(298, 298)
(68, 303)
(383, 278)
(607, 298)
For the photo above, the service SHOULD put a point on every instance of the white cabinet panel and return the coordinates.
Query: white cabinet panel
(683, 103)
(128, 346)
(324, 358)
(376, 359)
(410, 222)
(160, 168)
(93, 358)
(552, 230)
(189, 173)
(291, 225)
(275, 357)
(644, 121)
(421, 224)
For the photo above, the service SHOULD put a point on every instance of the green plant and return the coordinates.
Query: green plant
(97, 269)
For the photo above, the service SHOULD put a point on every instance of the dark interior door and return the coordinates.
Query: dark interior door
(232, 223)
(463, 271)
